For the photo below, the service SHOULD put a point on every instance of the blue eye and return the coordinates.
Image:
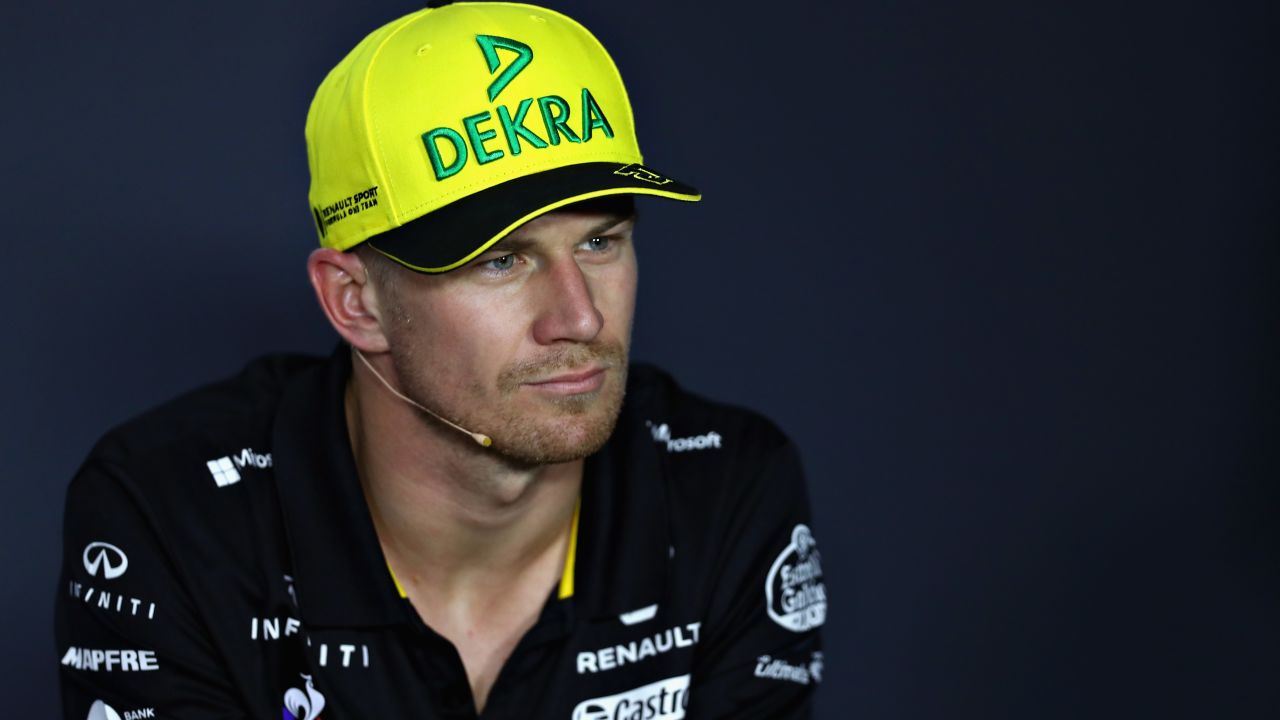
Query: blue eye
(506, 262)
(599, 244)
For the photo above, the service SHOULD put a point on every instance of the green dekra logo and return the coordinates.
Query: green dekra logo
(450, 147)
(489, 45)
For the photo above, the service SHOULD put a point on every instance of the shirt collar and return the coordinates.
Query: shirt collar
(340, 574)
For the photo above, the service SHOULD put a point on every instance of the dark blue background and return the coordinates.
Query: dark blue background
(1005, 271)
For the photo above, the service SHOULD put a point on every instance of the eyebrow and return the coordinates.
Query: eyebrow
(514, 242)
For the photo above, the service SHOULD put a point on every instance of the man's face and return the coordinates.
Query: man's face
(527, 343)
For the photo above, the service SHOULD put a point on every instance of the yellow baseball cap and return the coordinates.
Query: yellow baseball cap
(444, 130)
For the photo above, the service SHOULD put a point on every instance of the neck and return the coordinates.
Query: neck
(449, 513)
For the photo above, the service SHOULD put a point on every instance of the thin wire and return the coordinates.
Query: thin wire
(481, 439)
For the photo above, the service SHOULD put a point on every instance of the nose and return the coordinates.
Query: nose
(568, 310)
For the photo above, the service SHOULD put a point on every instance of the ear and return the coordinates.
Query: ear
(342, 286)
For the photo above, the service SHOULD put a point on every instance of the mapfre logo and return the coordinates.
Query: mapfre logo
(662, 700)
(100, 660)
(102, 559)
(794, 593)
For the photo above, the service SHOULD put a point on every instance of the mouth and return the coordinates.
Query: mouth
(584, 381)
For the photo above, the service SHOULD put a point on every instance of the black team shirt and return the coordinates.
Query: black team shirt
(219, 561)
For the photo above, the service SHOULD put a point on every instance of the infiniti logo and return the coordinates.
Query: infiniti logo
(106, 556)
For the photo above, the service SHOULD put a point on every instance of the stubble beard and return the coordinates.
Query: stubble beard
(544, 432)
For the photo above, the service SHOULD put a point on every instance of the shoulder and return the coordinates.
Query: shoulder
(728, 469)
(177, 469)
(230, 407)
(191, 478)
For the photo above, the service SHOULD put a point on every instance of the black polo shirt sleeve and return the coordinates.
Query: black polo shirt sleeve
(760, 656)
(129, 634)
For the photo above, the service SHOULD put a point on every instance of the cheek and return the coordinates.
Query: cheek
(481, 340)
(451, 344)
(618, 299)
(614, 292)
(474, 352)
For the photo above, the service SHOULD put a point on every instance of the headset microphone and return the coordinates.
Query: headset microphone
(481, 439)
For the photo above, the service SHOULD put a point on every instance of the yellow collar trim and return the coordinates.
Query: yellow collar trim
(394, 579)
(566, 578)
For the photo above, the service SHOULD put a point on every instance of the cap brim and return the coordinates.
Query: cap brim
(457, 233)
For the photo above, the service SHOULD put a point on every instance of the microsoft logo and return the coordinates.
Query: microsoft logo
(226, 470)
(223, 471)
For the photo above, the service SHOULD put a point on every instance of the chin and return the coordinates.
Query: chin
(579, 427)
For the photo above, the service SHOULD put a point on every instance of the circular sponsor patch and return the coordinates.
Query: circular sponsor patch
(794, 593)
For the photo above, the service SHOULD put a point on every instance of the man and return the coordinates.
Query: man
(456, 514)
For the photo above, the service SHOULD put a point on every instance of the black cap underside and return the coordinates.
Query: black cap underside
(441, 239)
